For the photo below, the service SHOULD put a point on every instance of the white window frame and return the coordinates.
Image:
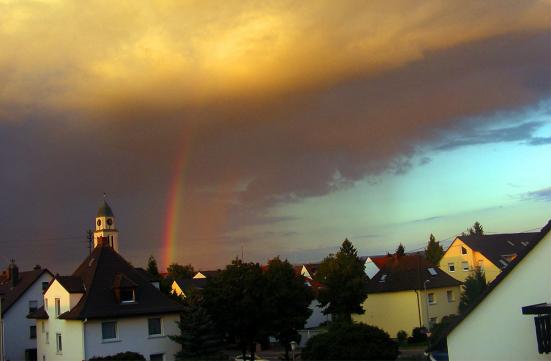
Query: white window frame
(463, 266)
(450, 266)
(35, 302)
(116, 332)
(450, 296)
(59, 343)
(433, 302)
(57, 307)
(133, 300)
(160, 324)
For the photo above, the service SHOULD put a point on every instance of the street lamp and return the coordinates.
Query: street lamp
(428, 318)
(293, 348)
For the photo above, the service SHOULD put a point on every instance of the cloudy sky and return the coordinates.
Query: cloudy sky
(274, 127)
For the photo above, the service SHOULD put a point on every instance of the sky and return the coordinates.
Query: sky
(221, 129)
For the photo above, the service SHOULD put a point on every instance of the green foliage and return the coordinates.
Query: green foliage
(287, 301)
(199, 337)
(402, 336)
(400, 251)
(434, 251)
(351, 341)
(235, 300)
(152, 268)
(418, 334)
(437, 330)
(121, 356)
(473, 287)
(177, 271)
(475, 230)
(344, 283)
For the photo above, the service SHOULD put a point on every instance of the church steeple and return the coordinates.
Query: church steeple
(106, 233)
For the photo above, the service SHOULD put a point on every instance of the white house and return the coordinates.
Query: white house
(20, 294)
(105, 307)
(502, 325)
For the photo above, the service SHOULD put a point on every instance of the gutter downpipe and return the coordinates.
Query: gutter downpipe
(83, 343)
(418, 307)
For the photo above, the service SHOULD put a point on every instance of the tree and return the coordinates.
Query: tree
(344, 283)
(473, 287)
(434, 251)
(152, 268)
(475, 230)
(177, 271)
(287, 301)
(351, 341)
(121, 356)
(235, 300)
(400, 251)
(199, 337)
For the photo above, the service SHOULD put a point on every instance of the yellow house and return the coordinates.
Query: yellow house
(492, 253)
(407, 293)
(182, 287)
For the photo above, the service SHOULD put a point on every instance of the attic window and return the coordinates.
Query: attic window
(503, 262)
(463, 250)
(128, 295)
(525, 243)
(383, 278)
(432, 271)
(509, 257)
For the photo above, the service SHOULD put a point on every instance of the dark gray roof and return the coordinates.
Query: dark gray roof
(101, 273)
(188, 284)
(409, 272)
(10, 294)
(495, 246)
(105, 210)
(72, 284)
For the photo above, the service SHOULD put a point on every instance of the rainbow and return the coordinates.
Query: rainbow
(174, 209)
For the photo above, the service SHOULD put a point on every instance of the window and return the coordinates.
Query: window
(451, 267)
(58, 343)
(463, 250)
(127, 295)
(47, 338)
(46, 304)
(449, 293)
(431, 299)
(432, 271)
(156, 357)
(57, 307)
(32, 332)
(154, 326)
(383, 278)
(465, 266)
(45, 285)
(33, 305)
(109, 330)
(43, 326)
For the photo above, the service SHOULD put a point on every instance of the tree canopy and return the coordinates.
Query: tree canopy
(344, 283)
(400, 251)
(177, 271)
(152, 267)
(434, 251)
(473, 287)
(475, 230)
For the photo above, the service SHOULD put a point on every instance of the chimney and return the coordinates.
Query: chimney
(13, 273)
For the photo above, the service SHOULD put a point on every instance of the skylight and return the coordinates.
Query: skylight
(432, 271)
(383, 278)
(511, 243)
(503, 262)
(525, 243)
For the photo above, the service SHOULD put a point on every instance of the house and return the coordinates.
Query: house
(20, 293)
(492, 253)
(511, 321)
(407, 293)
(182, 287)
(373, 264)
(105, 307)
(206, 274)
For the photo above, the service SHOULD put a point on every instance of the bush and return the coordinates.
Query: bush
(351, 341)
(121, 356)
(402, 336)
(419, 334)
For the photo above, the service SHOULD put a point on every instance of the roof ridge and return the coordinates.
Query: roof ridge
(84, 299)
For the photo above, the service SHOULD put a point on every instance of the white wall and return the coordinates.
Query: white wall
(71, 331)
(317, 316)
(17, 325)
(132, 335)
(496, 329)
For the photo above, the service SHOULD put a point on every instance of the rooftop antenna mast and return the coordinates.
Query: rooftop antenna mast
(89, 240)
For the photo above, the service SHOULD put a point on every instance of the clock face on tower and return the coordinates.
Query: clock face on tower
(98, 222)
(109, 221)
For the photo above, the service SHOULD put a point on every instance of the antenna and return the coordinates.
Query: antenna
(242, 252)
(104, 196)
(89, 240)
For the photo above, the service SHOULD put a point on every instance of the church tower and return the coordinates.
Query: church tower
(106, 233)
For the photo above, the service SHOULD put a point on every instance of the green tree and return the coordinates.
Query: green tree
(199, 337)
(287, 299)
(152, 268)
(473, 287)
(235, 300)
(400, 251)
(434, 251)
(177, 271)
(344, 283)
(475, 230)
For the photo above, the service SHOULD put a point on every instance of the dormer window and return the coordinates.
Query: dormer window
(463, 250)
(128, 295)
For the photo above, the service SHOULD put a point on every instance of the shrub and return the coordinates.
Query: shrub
(402, 336)
(121, 356)
(419, 334)
(351, 341)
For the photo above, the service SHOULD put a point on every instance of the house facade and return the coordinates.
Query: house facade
(21, 293)
(492, 253)
(105, 307)
(502, 325)
(407, 293)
